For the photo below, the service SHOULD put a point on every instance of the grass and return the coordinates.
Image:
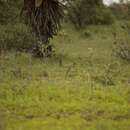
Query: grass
(82, 87)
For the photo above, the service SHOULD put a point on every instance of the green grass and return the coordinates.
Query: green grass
(82, 87)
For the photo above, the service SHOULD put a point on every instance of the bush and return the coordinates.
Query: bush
(16, 37)
(121, 11)
(103, 16)
(9, 11)
(84, 12)
(123, 51)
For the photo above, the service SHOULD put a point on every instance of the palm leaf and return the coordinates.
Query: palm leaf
(45, 17)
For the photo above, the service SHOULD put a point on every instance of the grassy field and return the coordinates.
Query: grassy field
(84, 86)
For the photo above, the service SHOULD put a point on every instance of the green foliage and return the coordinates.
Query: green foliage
(86, 12)
(123, 51)
(122, 45)
(16, 37)
(103, 16)
(10, 11)
(121, 11)
(13, 33)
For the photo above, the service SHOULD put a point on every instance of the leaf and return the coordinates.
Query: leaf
(38, 3)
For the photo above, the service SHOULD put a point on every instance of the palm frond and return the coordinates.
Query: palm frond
(45, 16)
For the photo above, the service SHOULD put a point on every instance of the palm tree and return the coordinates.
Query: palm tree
(45, 17)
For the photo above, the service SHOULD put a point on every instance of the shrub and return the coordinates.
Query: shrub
(103, 16)
(122, 46)
(85, 12)
(123, 51)
(121, 11)
(16, 37)
(9, 11)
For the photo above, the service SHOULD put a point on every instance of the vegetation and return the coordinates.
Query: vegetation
(84, 85)
(16, 37)
(45, 18)
(86, 12)
(121, 11)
